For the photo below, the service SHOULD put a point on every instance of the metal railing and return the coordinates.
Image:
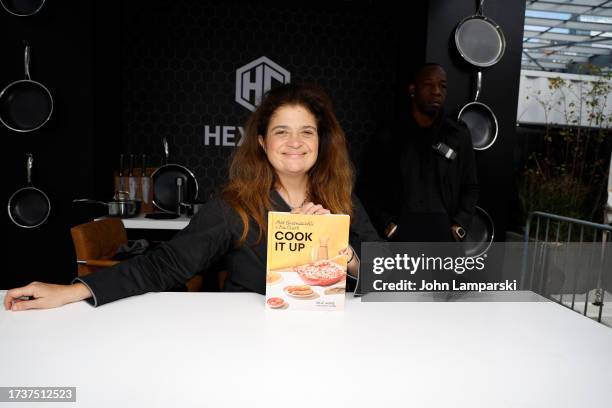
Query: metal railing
(566, 256)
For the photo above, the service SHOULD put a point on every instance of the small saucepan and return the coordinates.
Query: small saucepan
(191, 208)
(121, 206)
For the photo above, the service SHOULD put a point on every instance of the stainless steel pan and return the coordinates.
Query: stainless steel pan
(25, 105)
(480, 40)
(173, 184)
(121, 206)
(480, 119)
(480, 235)
(29, 207)
(22, 8)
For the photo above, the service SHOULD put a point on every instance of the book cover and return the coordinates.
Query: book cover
(306, 269)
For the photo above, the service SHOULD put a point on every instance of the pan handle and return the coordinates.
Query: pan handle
(478, 85)
(88, 201)
(480, 10)
(29, 165)
(26, 61)
(166, 149)
(143, 168)
(120, 165)
(131, 168)
(122, 195)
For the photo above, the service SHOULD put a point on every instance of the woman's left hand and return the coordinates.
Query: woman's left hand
(311, 208)
(348, 252)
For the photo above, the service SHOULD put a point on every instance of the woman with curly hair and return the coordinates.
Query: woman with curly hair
(293, 158)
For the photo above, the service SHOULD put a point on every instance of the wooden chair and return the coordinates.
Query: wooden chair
(96, 242)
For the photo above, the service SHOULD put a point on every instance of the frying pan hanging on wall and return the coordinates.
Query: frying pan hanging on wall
(167, 195)
(29, 207)
(479, 236)
(479, 40)
(22, 8)
(480, 120)
(25, 105)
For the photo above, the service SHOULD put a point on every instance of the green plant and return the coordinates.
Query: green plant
(568, 176)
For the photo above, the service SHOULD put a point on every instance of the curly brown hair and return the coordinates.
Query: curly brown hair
(252, 177)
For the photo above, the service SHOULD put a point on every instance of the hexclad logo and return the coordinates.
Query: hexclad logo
(255, 78)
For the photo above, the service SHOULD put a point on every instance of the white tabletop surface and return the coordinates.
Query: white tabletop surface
(140, 222)
(228, 350)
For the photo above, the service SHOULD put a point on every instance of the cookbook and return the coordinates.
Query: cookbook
(307, 260)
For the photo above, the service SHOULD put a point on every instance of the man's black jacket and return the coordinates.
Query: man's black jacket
(380, 180)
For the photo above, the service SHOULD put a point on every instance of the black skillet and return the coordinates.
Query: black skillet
(29, 207)
(168, 191)
(25, 105)
(479, 236)
(480, 120)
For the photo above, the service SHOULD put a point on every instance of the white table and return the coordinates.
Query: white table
(227, 350)
(140, 222)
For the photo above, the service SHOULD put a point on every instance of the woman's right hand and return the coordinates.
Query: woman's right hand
(310, 208)
(44, 296)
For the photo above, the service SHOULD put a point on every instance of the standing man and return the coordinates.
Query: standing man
(418, 182)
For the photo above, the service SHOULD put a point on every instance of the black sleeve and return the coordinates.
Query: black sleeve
(207, 238)
(362, 229)
(468, 192)
(376, 184)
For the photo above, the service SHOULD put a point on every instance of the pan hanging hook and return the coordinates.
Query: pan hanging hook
(166, 149)
(480, 11)
(25, 105)
(29, 165)
(26, 61)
